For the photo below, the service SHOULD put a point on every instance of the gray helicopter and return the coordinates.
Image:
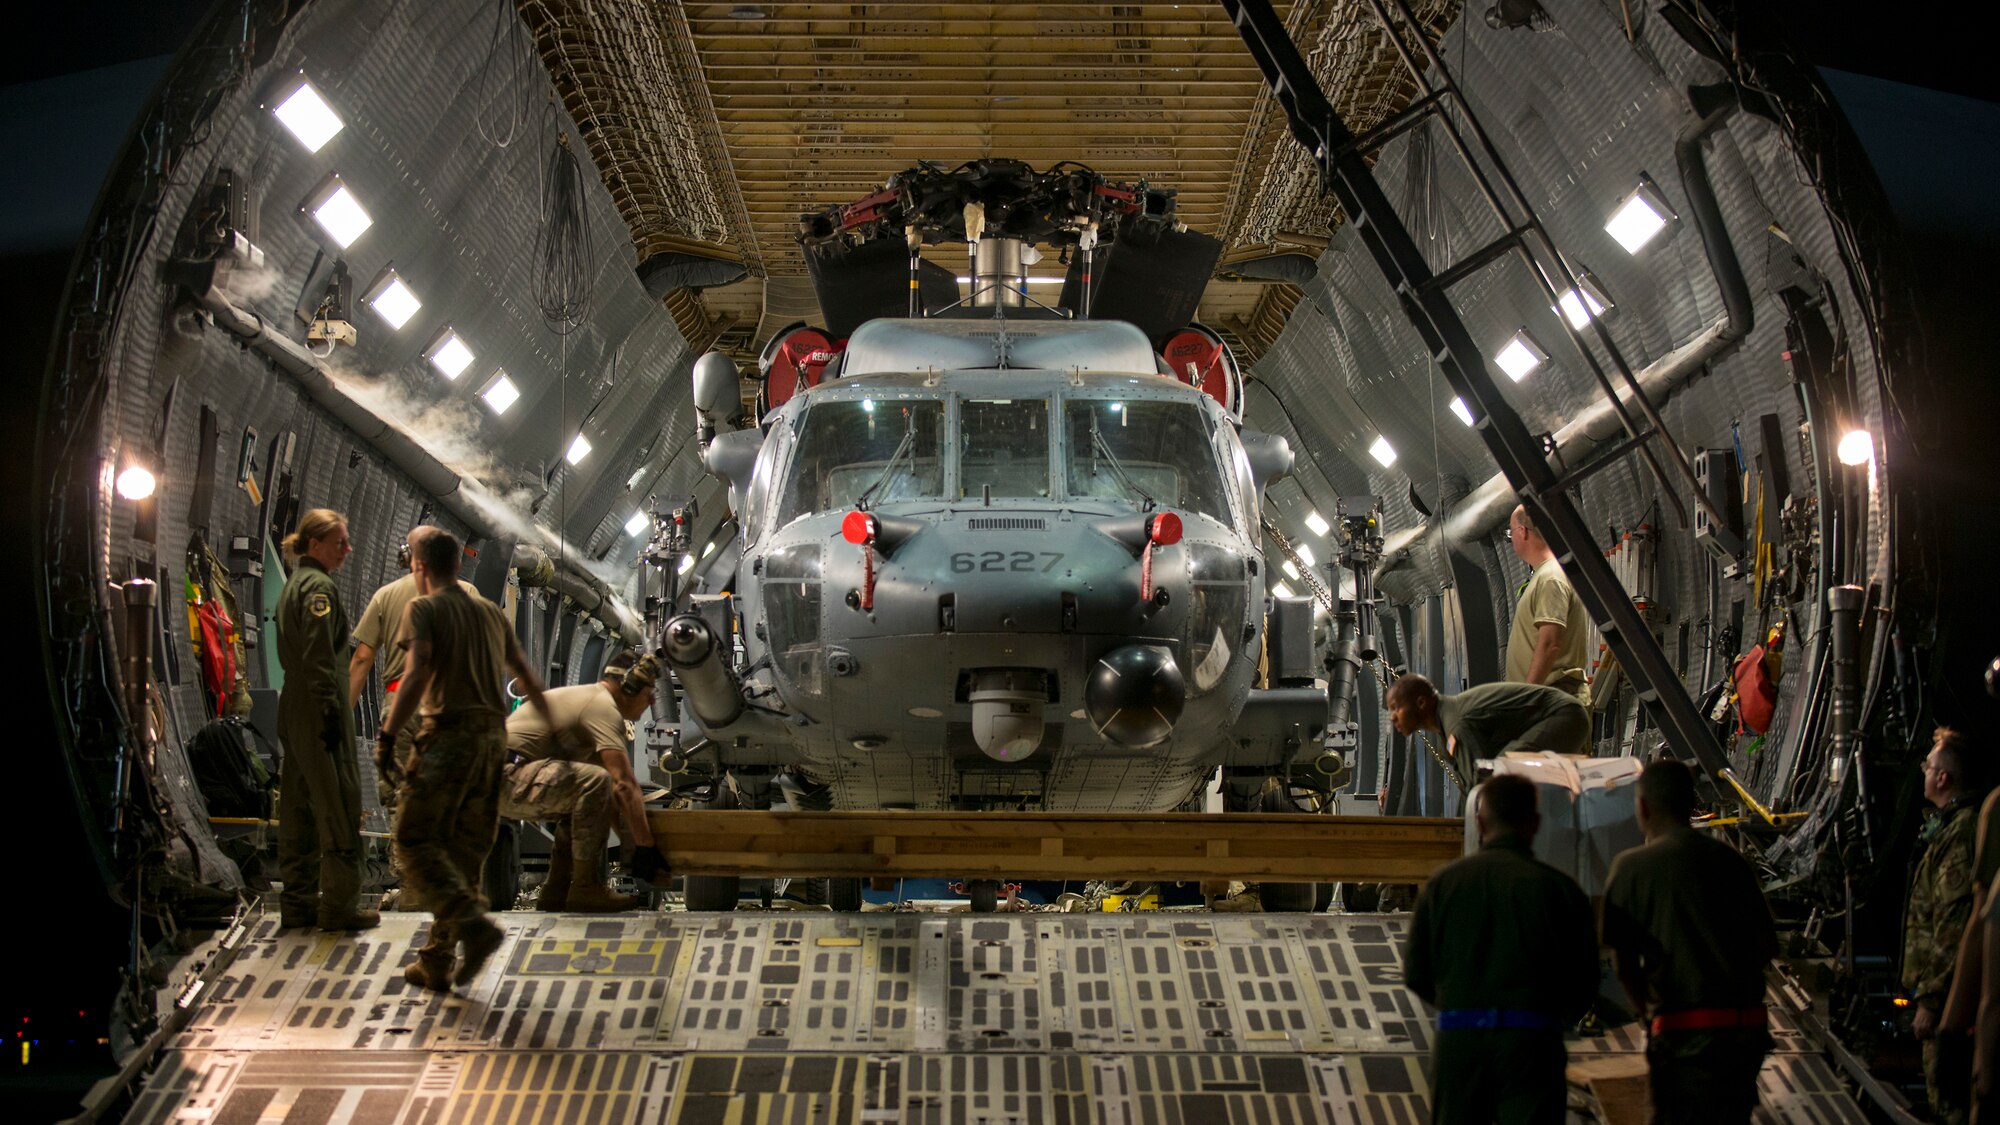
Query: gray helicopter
(994, 555)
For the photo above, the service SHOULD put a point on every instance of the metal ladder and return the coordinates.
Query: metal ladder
(1425, 299)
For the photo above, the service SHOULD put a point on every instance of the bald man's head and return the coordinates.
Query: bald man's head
(1526, 538)
(1412, 701)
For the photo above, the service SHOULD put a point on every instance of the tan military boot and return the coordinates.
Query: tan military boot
(554, 895)
(433, 973)
(479, 938)
(589, 897)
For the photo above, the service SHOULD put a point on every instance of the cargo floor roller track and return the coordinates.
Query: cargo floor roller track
(1182, 1018)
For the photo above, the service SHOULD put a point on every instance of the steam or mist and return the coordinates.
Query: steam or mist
(451, 432)
(246, 286)
(448, 430)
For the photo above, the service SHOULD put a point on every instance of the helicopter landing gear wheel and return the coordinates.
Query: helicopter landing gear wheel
(714, 892)
(1289, 898)
(843, 894)
(985, 895)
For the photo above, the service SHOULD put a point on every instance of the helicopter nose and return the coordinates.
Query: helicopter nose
(1135, 694)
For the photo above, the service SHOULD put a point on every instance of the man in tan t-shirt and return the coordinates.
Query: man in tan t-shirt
(459, 647)
(1546, 645)
(573, 770)
(379, 630)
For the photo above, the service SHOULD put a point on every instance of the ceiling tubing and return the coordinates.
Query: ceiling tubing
(590, 595)
(1489, 505)
(486, 514)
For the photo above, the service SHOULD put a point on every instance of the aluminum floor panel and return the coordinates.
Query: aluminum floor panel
(1110, 1019)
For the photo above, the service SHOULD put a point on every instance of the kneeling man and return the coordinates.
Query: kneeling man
(573, 769)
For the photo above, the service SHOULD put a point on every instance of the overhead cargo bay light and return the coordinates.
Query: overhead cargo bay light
(392, 300)
(1640, 217)
(1463, 411)
(1305, 555)
(578, 450)
(1279, 589)
(500, 393)
(1519, 356)
(687, 564)
(1317, 523)
(1585, 302)
(1290, 568)
(1382, 451)
(449, 354)
(302, 111)
(638, 523)
(337, 212)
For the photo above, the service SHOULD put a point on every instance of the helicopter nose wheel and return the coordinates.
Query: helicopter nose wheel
(984, 893)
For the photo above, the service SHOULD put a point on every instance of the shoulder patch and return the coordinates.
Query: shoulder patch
(319, 605)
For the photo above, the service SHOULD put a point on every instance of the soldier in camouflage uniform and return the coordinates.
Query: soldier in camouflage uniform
(578, 776)
(1940, 903)
(378, 632)
(319, 796)
(459, 647)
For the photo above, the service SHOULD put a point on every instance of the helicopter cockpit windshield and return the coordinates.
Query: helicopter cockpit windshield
(1004, 447)
(1144, 450)
(883, 450)
(867, 452)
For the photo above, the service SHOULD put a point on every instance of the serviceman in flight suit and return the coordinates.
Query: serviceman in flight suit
(378, 632)
(1690, 934)
(1939, 906)
(1491, 719)
(1546, 644)
(1504, 947)
(447, 807)
(578, 774)
(319, 809)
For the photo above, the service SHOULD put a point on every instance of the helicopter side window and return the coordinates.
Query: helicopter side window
(877, 450)
(1004, 446)
(1144, 450)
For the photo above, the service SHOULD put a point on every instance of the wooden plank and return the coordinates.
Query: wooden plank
(1182, 846)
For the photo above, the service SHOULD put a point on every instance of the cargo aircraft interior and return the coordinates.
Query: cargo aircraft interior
(1060, 504)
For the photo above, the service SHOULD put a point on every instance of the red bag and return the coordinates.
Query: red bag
(218, 656)
(1756, 695)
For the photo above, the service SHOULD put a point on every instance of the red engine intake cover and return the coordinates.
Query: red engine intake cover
(1199, 357)
(798, 361)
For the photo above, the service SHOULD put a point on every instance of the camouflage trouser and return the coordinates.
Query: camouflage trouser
(446, 814)
(1948, 1077)
(406, 742)
(576, 796)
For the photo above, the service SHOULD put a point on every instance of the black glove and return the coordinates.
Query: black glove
(385, 757)
(648, 864)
